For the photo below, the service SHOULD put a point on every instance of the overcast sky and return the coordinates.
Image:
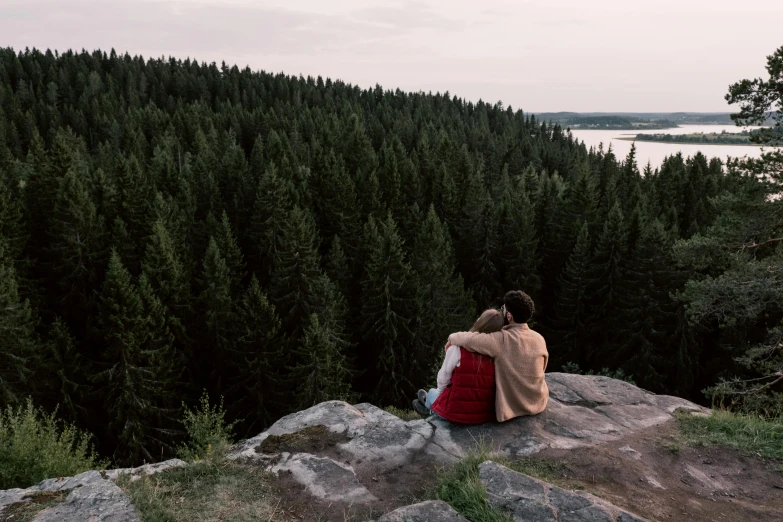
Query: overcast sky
(541, 55)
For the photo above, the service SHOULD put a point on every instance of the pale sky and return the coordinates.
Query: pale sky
(556, 55)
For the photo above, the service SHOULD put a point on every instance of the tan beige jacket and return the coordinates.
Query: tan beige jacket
(521, 357)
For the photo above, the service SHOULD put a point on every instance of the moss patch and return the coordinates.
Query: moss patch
(36, 502)
(552, 471)
(309, 440)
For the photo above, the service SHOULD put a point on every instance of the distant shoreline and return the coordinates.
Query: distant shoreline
(692, 143)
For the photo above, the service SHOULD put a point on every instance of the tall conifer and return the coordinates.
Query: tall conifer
(386, 312)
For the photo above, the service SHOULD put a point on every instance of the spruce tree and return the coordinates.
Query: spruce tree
(64, 372)
(257, 359)
(357, 149)
(443, 306)
(134, 195)
(337, 266)
(572, 310)
(217, 319)
(75, 245)
(226, 241)
(387, 305)
(647, 312)
(517, 242)
(135, 367)
(606, 271)
(321, 373)
(296, 267)
(165, 270)
(337, 206)
(548, 210)
(12, 225)
(270, 214)
(17, 341)
(477, 244)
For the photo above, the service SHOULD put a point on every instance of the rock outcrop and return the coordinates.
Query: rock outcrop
(339, 453)
(531, 500)
(90, 496)
(430, 511)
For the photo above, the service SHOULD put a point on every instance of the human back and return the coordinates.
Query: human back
(470, 396)
(520, 356)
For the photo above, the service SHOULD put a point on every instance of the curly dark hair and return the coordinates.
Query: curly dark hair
(519, 305)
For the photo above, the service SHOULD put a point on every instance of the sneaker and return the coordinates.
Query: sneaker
(420, 408)
(422, 396)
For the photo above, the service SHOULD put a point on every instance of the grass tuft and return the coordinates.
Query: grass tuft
(760, 436)
(406, 415)
(204, 491)
(462, 489)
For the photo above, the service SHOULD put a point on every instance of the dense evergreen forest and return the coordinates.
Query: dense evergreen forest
(169, 227)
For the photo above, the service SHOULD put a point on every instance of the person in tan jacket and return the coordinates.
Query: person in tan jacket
(520, 356)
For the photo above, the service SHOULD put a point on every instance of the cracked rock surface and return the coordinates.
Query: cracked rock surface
(367, 443)
(531, 500)
(325, 478)
(430, 511)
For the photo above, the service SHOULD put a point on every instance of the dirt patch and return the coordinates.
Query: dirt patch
(36, 502)
(654, 474)
(407, 484)
(314, 440)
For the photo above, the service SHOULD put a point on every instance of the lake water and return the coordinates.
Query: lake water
(656, 152)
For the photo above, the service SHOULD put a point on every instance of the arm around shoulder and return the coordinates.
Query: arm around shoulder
(486, 344)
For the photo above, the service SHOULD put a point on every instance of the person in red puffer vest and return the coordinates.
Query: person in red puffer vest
(466, 381)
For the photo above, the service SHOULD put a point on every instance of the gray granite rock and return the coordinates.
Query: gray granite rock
(68, 483)
(583, 410)
(366, 441)
(146, 469)
(98, 501)
(324, 478)
(430, 511)
(528, 499)
(92, 496)
(11, 496)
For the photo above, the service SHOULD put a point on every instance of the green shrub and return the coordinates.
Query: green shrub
(35, 446)
(209, 436)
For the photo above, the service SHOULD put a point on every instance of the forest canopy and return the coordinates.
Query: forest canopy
(169, 227)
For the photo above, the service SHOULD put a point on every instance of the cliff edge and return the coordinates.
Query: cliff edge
(342, 456)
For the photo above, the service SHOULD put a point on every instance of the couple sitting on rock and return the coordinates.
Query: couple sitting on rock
(496, 370)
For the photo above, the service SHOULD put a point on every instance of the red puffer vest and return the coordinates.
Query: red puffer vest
(470, 398)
